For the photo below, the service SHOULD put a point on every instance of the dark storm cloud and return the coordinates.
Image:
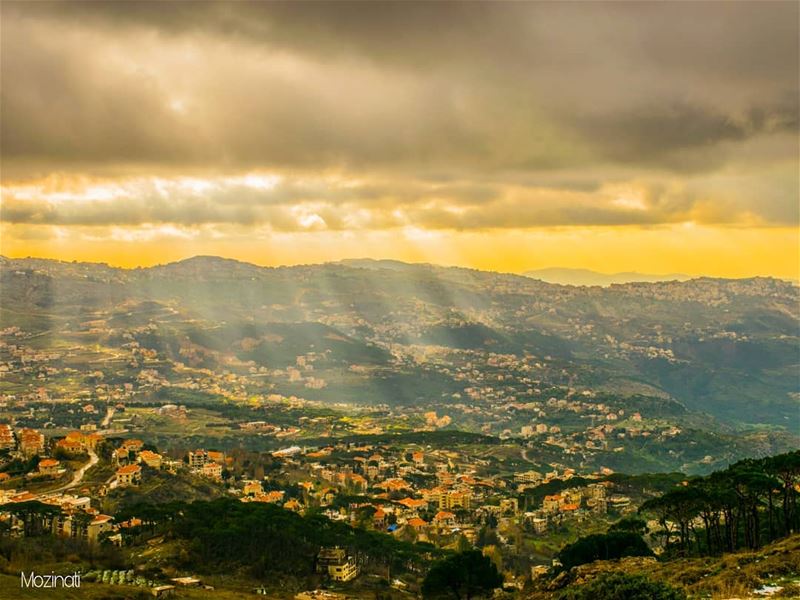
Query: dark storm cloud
(515, 86)
(631, 136)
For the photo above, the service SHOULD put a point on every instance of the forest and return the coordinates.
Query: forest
(752, 502)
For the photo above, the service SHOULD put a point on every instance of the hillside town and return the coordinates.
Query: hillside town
(414, 492)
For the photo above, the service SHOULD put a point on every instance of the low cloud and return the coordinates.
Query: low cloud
(287, 203)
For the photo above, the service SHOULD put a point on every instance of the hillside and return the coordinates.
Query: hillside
(737, 575)
(724, 347)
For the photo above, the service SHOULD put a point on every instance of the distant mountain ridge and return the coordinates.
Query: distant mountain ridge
(565, 276)
(552, 275)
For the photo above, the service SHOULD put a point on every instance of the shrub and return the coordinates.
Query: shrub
(619, 586)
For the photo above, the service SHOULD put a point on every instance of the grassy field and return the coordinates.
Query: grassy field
(197, 422)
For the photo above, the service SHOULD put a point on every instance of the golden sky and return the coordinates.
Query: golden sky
(651, 137)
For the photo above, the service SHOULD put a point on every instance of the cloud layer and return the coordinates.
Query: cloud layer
(301, 117)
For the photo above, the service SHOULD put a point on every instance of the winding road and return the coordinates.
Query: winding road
(107, 419)
(78, 475)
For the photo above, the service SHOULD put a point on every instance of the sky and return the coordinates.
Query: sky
(659, 137)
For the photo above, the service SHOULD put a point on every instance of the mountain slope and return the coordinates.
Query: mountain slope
(726, 347)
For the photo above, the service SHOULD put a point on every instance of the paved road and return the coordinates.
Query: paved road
(107, 419)
(524, 452)
(78, 475)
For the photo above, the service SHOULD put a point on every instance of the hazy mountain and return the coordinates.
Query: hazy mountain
(588, 277)
(727, 347)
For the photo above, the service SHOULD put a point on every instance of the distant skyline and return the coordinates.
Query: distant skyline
(649, 137)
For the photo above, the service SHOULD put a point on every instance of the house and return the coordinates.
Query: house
(86, 440)
(598, 505)
(98, 525)
(273, 497)
(213, 471)
(356, 482)
(572, 496)
(414, 504)
(74, 436)
(618, 501)
(509, 505)
(455, 499)
(330, 556)
(186, 581)
(327, 496)
(6, 437)
(444, 518)
(293, 505)
(23, 496)
(539, 525)
(337, 564)
(162, 591)
(151, 459)
(217, 457)
(198, 458)
(49, 466)
(133, 445)
(92, 440)
(346, 571)
(532, 477)
(551, 504)
(70, 447)
(393, 485)
(132, 522)
(252, 488)
(379, 519)
(417, 524)
(31, 442)
(129, 475)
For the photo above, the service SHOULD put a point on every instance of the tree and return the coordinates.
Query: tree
(462, 544)
(786, 468)
(36, 517)
(487, 537)
(614, 544)
(619, 586)
(630, 523)
(462, 576)
(749, 503)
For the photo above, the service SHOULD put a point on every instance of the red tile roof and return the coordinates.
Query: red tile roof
(129, 470)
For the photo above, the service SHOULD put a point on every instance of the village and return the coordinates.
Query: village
(415, 493)
(516, 455)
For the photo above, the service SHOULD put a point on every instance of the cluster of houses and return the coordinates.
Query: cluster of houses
(72, 516)
(131, 456)
(207, 463)
(77, 443)
(430, 495)
(26, 443)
